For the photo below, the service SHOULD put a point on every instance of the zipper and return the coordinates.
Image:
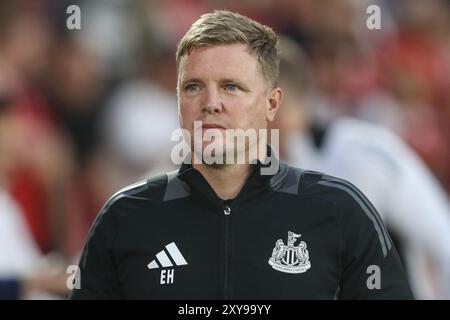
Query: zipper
(227, 213)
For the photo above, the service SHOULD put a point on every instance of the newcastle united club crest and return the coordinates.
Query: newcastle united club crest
(289, 258)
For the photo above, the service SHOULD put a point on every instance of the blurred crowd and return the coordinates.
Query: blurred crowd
(86, 112)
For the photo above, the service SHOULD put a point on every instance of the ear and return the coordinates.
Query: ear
(274, 102)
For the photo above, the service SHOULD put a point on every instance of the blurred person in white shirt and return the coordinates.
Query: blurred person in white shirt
(404, 191)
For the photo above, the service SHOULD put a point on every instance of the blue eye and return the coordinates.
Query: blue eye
(192, 88)
(231, 87)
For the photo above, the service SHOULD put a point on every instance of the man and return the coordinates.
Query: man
(407, 196)
(236, 231)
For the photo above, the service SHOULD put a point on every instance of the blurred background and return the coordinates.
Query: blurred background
(86, 112)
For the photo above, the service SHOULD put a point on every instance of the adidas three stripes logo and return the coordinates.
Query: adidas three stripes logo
(162, 258)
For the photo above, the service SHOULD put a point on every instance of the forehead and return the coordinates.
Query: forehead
(231, 60)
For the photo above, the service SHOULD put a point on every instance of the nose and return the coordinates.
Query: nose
(212, 103)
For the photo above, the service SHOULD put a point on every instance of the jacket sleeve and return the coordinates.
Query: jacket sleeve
(371, 267)
(97, 273)
(10, 289)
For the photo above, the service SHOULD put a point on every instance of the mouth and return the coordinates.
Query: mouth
(212, 126)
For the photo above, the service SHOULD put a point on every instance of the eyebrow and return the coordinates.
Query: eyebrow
(190, 80)
(231, 81)
(221, 81)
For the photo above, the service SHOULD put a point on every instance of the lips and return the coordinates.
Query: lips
(212, 126)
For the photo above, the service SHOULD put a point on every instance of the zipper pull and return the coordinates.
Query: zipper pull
(227, 210)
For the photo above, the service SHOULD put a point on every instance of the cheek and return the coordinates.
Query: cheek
(186, 113)
(242, 113)
(258, 113)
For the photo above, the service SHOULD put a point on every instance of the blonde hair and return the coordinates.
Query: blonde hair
(225, 27)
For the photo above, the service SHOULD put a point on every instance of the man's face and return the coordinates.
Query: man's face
(223, 87)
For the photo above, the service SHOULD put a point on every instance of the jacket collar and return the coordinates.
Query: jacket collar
(203, 194)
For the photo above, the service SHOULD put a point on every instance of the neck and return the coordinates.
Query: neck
(226, 180)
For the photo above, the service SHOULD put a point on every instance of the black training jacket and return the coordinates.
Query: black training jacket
(292, 235)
